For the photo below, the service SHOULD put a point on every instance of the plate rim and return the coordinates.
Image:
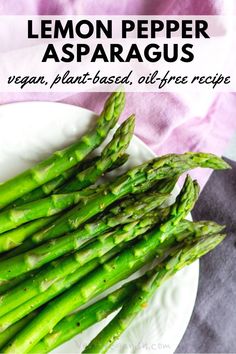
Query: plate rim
(10, 104)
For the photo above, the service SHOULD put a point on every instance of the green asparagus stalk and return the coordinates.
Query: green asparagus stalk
(54, 204)
(128, 210)
(122, 214)
(46, 189)
(12, 317)
(185, 230)
(10, 284)
(101, 245)
(50, 274)
(30, 243)
(77, 323)
(64, 159)
(68, 327)
(110, 153)
(14, 238)
(12, 330)
(53, 185)
(167, 185)
(49, 187)
(105, 276)
(160, 168)
(120, 161)
(147, 286)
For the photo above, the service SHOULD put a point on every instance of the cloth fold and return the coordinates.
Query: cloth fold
(121, 7)
(212, 326)
(167, 122)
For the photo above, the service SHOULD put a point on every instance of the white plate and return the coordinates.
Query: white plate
(28, 133)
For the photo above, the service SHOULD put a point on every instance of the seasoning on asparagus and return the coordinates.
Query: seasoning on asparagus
(147, 286)
(7, 320)
(10, 284)
(120, 267)
(12, 330)
(101, 245)
(122, 214)
(13, 238)
(63, 180)
(160, 168)
(51, 186)
(76, 323)
(109, 155)
(46, 189)
(128, 210)
(163, 187)
(55, 204)
(50, 274)
(185, 231)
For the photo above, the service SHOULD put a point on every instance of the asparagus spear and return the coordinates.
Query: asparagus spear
(30, 228)
(51, 274)
(52, 185)
(66, 158)
(184, 231)
(62, 180)
(25, 231)
(14, 238)
(167, 185)
(122, 214)
(110, 153)
(97, 248)
(10, 318)
(147, 286)
(105, 276)
(74, 324)
(46, 189)
(121, 160)
(160, 168)
(10, 284)
(77, 323)
(54, 204)
(11, 331)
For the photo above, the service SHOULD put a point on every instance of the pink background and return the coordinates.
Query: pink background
(167, 122)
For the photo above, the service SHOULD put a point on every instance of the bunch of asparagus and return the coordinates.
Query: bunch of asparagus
(64, 238)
